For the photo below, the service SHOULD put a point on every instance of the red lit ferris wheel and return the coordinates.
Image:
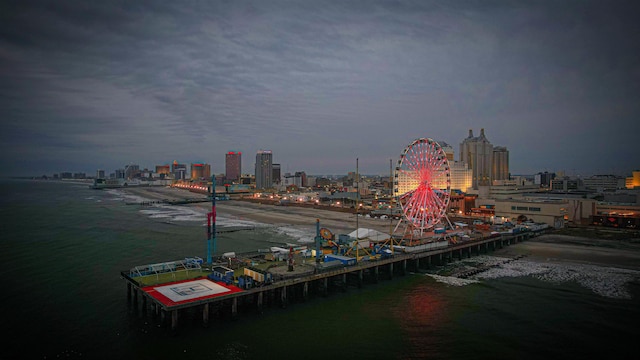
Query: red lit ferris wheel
(422, 185)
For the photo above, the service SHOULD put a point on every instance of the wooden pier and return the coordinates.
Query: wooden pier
(282, 292)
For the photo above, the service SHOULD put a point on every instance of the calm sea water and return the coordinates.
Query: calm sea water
(63, 247)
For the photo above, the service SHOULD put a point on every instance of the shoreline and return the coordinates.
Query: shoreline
(299, 217)
(550, 248)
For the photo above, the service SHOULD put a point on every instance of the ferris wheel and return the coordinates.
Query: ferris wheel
(422, 184)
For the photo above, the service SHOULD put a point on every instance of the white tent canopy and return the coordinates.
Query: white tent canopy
(369, 234)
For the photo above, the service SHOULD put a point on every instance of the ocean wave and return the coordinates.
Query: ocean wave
(604, 281)
(234, 222)
(452, 280)
(173, 213)
(303, 236)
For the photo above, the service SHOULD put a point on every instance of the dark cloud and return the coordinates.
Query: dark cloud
(101, 84)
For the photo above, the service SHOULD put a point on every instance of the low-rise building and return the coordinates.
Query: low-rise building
(549, 211)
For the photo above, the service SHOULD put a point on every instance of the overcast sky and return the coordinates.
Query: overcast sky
(88, 85)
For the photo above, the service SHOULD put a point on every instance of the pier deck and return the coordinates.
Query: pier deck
(204, 292)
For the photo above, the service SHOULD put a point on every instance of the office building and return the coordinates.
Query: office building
(264, 169)
(233, 166)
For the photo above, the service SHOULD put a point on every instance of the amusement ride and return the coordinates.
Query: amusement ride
(422, 188)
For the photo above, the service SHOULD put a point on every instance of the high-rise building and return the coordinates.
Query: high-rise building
(131, 171)
(500, 163)
(448, 150)
(233, 165)
(179, 171)
(276, 175)
(200, 171)
(477, 152)
(298, 179)
(264, 169)
(163, 169)
(544, 179)
(100, 174)
(461, 176)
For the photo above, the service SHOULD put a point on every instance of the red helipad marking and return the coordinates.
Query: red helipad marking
(182, 292)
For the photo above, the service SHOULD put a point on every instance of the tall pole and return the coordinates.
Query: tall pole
(318, 240)
(357, 208)
(211, 222)
(391, 187)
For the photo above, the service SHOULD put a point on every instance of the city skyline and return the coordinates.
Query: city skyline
(87, 86)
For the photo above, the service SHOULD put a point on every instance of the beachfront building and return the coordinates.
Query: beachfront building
(179, 171)
(543, 179)
(500, 164)
(233, 166)
(549, 211)
(200, 171)
(264, 169)
(507, 189)
(298, 179)
(276, 176)
(461, 176)
(163, 170)
(448, 150)
(604, 182)
(131, 171)
(566, 183)
(477, 152)
(618, 214)
(633, 181)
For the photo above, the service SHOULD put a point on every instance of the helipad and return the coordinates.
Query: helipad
(187, 291)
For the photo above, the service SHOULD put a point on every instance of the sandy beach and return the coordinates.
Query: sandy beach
(550, 248)
(337, 222)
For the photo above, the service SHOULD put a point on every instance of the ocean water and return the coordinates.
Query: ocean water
(63, 246)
